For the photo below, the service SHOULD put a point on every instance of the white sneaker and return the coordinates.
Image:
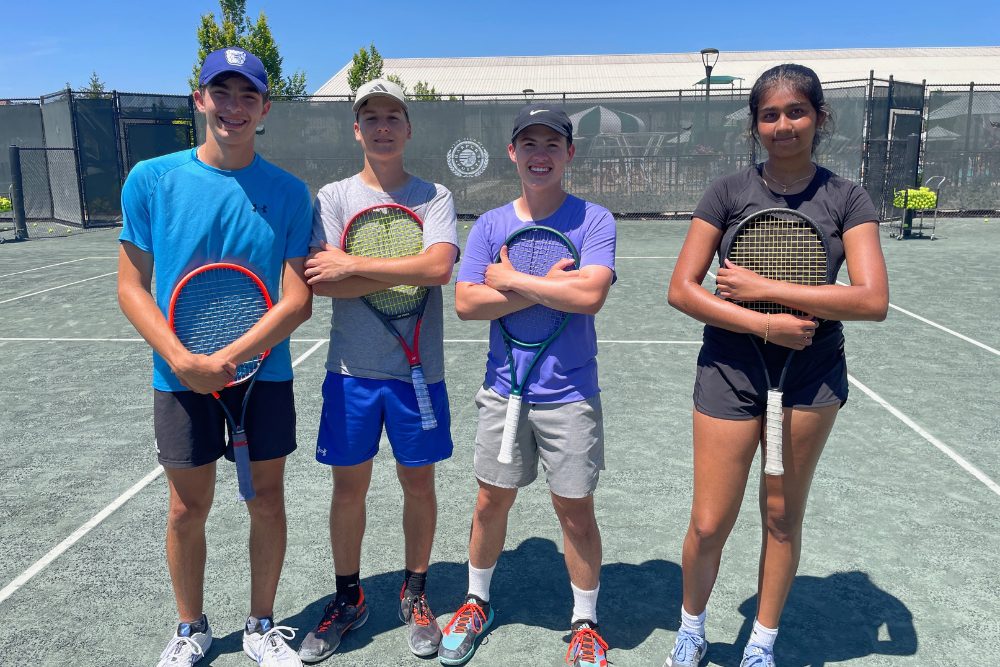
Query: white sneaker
(266, 644)
(186, 647)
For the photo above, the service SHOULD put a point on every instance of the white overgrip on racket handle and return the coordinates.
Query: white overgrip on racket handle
(244, 477)
(427, 419)
(506, 455)
(773, 435)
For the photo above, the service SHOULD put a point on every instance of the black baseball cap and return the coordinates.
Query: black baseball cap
(543, 114)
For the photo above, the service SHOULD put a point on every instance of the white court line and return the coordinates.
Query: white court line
(77, 534)
(939, 326)
(600, 341)
(25, 296)
(61, 548)
(49, 266)
(919, 430)
(117, 340)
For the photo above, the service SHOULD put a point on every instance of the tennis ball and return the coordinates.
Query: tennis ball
(51, 230)
(986, 219)
(466, 226)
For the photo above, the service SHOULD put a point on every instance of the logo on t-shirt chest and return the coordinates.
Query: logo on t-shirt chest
(260, 208)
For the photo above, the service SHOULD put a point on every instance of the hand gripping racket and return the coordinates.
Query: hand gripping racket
(210, 308)
(780, 244)
(532, 250)
(391, 230)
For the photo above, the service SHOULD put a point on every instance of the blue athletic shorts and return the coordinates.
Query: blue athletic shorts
(355, 410)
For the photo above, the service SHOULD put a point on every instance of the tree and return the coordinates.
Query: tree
(95, 87)
(425, 92)
(365, 66)
(237, 29)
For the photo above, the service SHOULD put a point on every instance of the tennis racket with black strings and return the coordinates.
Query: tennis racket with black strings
(392, 230)
(780, 244)
(532, 250)
(210, 308)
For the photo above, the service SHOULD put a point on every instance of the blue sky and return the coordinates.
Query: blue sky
(151, 46)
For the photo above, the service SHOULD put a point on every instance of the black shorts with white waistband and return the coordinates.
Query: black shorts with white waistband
(731, 384)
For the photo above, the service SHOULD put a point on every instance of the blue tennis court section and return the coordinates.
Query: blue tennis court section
(899, 553)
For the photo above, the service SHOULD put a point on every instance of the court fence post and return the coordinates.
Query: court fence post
(17, 194)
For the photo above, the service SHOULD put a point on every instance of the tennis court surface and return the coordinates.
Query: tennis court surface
(901, 538)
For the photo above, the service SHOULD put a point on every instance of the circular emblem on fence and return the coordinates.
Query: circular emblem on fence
(468, 158)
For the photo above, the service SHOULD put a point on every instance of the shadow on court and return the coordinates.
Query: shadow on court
(530, 587)
(830, 619)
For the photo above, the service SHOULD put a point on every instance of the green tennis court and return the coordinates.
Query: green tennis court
(900, 533)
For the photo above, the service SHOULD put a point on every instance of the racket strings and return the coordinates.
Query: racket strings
(782, 249)
(216, 307)
(535, 252)
(388, 232)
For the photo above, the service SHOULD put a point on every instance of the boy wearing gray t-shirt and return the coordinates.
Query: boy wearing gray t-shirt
(368, 383)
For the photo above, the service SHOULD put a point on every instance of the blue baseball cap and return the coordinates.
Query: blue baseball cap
(237, 60)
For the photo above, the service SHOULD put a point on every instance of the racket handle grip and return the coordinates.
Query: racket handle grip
(773, 435)
(506, 455)
(427, 419)
(244, 476)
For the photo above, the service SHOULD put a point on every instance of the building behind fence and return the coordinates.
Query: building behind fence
(641, 154)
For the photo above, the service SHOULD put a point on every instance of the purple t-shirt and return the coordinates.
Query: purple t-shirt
(569, 370)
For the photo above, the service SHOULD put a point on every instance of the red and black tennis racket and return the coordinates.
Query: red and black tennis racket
(210, 308)
(780, 244)
(392, 230)
(532, 250)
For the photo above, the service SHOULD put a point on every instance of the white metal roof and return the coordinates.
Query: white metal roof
(678, 71)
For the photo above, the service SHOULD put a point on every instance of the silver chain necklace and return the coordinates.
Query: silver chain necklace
(784, 188)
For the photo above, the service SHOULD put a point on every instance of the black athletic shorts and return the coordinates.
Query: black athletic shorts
(191, 428)
(730, 383)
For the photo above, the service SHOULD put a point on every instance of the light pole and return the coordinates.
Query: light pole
(708, 58)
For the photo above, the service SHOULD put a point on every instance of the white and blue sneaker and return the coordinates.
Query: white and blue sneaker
(264, 642)
(188, 644)
(757, 656)
(690, 649)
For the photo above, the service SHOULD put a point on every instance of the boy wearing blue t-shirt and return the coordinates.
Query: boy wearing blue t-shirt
(219, 202)
(561, 423)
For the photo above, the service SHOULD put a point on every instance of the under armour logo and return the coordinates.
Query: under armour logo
(260, 208)
(321, 451)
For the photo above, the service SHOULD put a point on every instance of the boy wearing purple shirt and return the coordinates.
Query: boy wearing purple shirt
(561, 423)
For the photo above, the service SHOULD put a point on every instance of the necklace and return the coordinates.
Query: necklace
(784, 188)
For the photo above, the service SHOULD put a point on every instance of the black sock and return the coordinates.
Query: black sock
(349, 587)
(415, 582)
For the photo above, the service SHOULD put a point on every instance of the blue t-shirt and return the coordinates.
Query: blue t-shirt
(568, 372)
(187, 214)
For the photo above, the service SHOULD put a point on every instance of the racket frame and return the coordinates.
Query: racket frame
(428, 420)
(773, 431)
(241, 451)
(514, 400)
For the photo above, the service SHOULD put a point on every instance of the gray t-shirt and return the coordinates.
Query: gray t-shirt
(360, 345)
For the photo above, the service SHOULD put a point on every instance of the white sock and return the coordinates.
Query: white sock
(763, 637)
(479, 581)
(693, 624)
(584, 603)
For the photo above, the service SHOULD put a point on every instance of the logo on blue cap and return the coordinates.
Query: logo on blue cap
(235, 60)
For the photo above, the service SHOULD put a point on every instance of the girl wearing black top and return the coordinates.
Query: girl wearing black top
(788, 116)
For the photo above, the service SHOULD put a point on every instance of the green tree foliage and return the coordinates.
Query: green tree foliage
(366, 65)
(237, 29)
(95, 87)
(425, 92)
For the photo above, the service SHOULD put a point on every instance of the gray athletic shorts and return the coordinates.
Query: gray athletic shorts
(191, 428)
(568, 438)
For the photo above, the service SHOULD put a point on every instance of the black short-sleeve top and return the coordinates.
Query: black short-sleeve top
(834, 203)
